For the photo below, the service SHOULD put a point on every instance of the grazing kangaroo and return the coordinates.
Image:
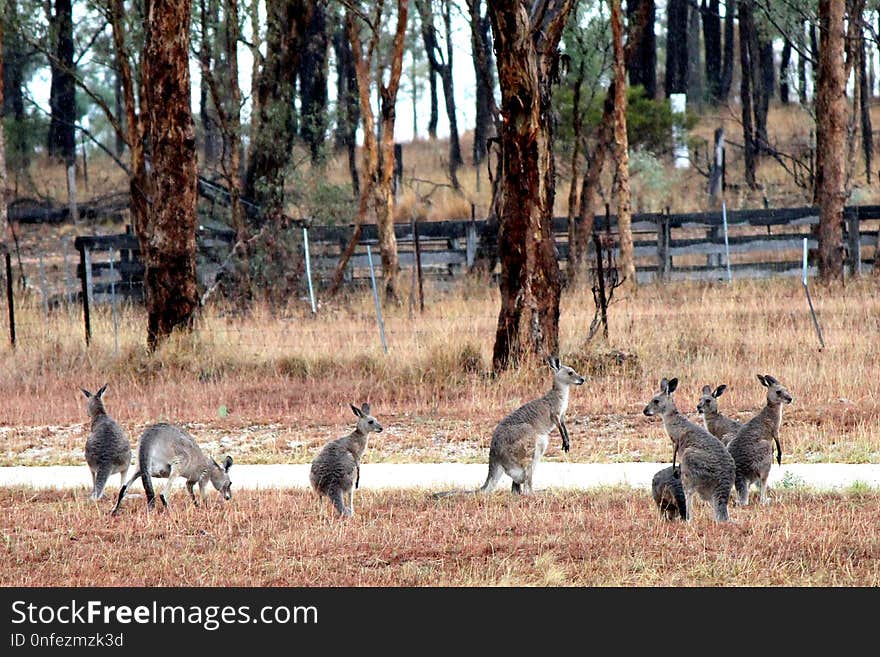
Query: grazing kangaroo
(720, 426)
(107, 449)
(707, 468)
(669, 493)
(519, 440)
(336, 470)
(168, 451)
(752, 449)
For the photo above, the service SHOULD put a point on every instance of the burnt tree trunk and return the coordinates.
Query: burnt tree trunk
(745, 93)
(831, 118)
(434, 114)
(272, 141)
(14, 59)
(526, 49)
(4, 217)
(313, 74)
(348, 112)
(695, 89)
(168, 239)
(642, 67)
(802, 66)
(709, 10)
(764, 87)
(208, 16)
(621, 155)
(61, 142)
(865, 108)
(486, 111)
(784, 64)
(676, 47)
(729, 52)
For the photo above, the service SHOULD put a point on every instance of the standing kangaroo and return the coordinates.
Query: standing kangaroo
(168, 451)
(107, 449)
(720, 426)
(519, 440)
(707, 468)
(336, 469)
(752, 449)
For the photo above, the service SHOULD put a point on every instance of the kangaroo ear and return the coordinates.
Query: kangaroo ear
(356, 410)
(719, 390)
(365, 408)
(771, 381)
(553, 362)
(227, 463)
(664, 385)
(102, 390)
(86, 393)
(707, 390)
(672, 386)
(763, 381)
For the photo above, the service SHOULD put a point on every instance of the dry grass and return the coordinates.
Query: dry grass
(275, 386)
(609, 537)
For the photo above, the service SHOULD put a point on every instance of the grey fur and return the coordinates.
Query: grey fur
(752, 448)
(669, 493)
(707, 468)
(165, 450)
(519, 440)
(107, 449)
(719, 425)
(336, 470)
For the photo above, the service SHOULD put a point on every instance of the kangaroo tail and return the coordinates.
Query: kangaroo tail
(122, 491)
(495, 472)
(778, 451)
(680, 501)
(101, 477)
(147, 480)
(339, 503)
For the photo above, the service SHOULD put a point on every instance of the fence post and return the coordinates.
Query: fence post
(726, 241)
(854, 239)
(10, 299)
(600, 281)
(44, 288)
(471, 241)
(716, 182)
(663, 246)
(71, 192)
(418, 250)
(376, 299)
(85, 264)
(113, 304)
(67, 294)
(309, 269)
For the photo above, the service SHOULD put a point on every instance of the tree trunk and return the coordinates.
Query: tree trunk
(62, 94)
(694, 67)
(484, 128)
(273, 139)
(257, 59)
(676, 47)
(313, 73)
(802, 66)
(348, 113)
(621, 155)
(831, 118)
(14, 58)
(208, 17)
(642, 67)
(527, 54)
(745, 93)
(865, 108)
(709, 9)
(168, 240)
(729, 52)
(784, 64)
(764, 89)
(573, 196)
(433, 117)
(4, 217)
(442, 65)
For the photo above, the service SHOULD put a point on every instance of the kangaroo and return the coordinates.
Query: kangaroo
(168, 451)
(707, 468)
(669, 493)
(336, 469)
(107, 449)
(751, 449)
(720, 426)
(519, 440)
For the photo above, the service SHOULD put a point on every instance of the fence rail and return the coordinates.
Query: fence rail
(761, 243)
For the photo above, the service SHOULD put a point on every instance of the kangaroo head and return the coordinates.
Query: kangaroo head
(563, 374)
(219, 475)
(776, 393)
(366, 422)
(96, 401)
(708, 397)
(662, 403)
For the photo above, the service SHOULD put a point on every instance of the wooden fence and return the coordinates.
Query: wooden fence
(761, 243)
